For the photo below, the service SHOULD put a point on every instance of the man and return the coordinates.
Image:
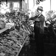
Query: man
(39, 30)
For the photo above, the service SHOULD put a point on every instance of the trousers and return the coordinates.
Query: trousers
(39, 41)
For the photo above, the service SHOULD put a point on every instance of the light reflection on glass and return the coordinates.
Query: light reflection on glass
(5, 7)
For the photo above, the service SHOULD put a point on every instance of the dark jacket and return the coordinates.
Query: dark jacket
(39, 22)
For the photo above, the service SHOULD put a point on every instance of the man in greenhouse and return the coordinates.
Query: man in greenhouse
(39, 31)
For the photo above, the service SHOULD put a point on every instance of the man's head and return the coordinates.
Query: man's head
(40, 10)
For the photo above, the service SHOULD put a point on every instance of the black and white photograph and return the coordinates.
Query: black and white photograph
(27, 27)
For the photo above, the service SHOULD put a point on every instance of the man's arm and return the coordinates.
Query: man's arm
(33, 18)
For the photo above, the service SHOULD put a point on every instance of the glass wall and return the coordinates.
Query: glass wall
(53, 5)
(5, 7)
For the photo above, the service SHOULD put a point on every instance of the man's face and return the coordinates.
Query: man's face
(39, 12)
